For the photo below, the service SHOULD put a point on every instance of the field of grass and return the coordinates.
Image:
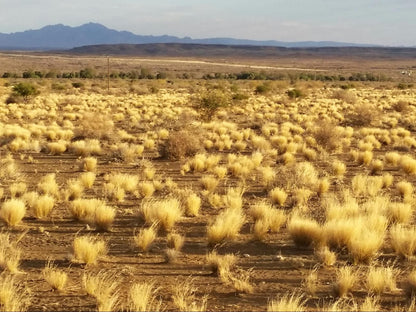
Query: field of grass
(196, 195)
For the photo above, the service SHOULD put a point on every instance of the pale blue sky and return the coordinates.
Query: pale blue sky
(388, 22)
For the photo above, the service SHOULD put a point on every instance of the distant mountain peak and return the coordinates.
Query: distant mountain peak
(59, 36)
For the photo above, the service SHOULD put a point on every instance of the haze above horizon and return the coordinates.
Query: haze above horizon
(382, 22)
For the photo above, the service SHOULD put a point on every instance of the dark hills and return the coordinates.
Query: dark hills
(59, 37)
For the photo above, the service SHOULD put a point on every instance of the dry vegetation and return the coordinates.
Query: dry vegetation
(134, 201)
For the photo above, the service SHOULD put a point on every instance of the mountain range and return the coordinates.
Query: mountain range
(61, 37)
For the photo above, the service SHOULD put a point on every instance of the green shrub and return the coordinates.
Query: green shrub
(294, 93)
(24, 90)
(77, 85)
(263, 88)
(211, 101)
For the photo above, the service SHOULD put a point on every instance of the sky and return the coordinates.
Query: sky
(385, 22)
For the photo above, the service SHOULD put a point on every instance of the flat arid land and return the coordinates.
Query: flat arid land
(207, 183)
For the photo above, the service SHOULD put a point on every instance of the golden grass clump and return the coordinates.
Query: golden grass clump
(193, 204)
(408, 164)
(266, 219)
(12, 211)
(326, 256)
(74, 189)
(392, 158)
(127, 182)
(403, 240)
(146, 189)
(380, 279)
(410, 285)
(89, 164)
(84, 209)
(43, 206)
(363, 185)
(405, 189)
(12, 296)
(56, 278)
(399, 212)
(209, 182)
(322, 186)
(311, 283)
(142, 297)
(47, 185)
(294, 302)
(103, 287)
(364, 246)
(17, 189)
(387, 180)
(185, 298)
(87, 179)
(221, 264)
(175, 241)
(145, 238)
(345, 281)
(278, 196)
(165, 212)
(104, 217)
(10, 254)
(338, 168)
(226, 226)
(88, 249)
(304, 231)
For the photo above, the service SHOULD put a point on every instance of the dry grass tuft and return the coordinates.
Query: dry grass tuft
(226, 226)
(88, 249)
(12, 211)
(13, 297)
(304, 231)
(54, 277)
(221, 264)
(380, 279)
(142, 297)
(164, 212)
(403, 240)
(326, 256)
(185, 297)
(346, 279)
(146, 237)
(102, 286)
(294, 302)
(10, 254)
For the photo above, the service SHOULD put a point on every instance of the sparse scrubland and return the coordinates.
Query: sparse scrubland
(196, 195)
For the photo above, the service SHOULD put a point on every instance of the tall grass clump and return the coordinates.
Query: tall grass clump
(226, 226)
(165, 212)
(88, 249)
(12, 211)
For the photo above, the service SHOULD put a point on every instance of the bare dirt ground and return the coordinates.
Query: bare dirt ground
(277, 266)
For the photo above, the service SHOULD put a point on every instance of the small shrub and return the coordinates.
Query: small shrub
(25, 90)
(401, 106)
(263, 88)
(180, 144)
(211, 101)
(294, 93)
